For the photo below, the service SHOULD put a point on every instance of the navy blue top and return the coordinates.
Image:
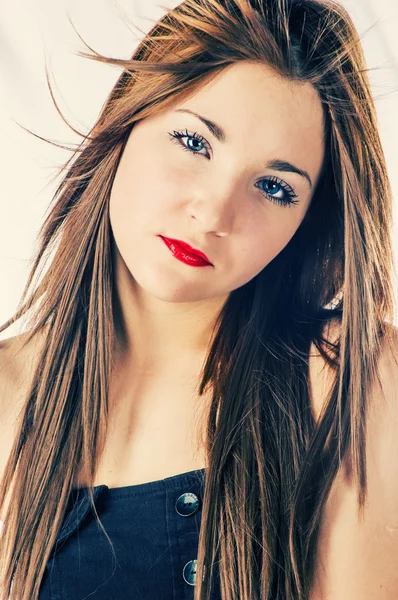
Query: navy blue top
(154, 528)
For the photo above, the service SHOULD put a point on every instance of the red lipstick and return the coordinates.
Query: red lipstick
(186, 254)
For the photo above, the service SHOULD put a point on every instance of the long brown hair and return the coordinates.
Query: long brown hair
(270, 465)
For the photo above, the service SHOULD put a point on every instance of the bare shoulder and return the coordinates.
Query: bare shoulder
(10, 398)
(382, 435)
(17, 365)
(357, 555)
(321, 376)
(17, 361)
(8, 372)
(387, 389)
(384, 391)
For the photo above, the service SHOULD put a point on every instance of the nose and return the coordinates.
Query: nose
(214, 212)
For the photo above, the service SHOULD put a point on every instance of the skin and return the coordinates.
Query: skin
(214, 201)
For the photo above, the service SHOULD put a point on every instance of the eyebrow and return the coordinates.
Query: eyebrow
(277, 164)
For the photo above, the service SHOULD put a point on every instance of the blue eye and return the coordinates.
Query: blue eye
(198, 140)
(274, 185)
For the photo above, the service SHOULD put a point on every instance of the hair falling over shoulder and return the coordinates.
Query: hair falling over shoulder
(271, 469)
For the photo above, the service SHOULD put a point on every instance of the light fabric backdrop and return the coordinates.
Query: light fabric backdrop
(33, 32)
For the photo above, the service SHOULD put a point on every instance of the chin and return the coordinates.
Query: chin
(167, 286)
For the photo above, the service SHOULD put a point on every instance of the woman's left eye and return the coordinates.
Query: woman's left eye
(277, 190)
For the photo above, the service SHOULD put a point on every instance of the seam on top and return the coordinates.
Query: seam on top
(150, 487)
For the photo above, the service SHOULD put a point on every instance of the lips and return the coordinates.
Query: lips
(188, 248)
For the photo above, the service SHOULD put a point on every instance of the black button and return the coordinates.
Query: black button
(187, 504)
(189, 572)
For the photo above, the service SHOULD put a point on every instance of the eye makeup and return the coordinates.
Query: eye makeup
(288, 194)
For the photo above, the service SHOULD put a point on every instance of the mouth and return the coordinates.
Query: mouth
(178, 246)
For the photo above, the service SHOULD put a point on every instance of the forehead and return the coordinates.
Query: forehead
(267, 112)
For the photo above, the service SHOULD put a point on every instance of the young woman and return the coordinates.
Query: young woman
(203, 403)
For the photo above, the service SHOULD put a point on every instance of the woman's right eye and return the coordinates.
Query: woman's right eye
(176, 136)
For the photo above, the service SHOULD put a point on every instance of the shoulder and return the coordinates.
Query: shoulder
(387, 388)
(382, 431)
(17, 363)
(18, 360)
(382, 401)
(18, 353)
(320, 375)
(383, 395)
(8, 372)
(9, 391)
(357, 554)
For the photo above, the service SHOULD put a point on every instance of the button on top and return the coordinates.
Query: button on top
(187, 504)
(189, 572)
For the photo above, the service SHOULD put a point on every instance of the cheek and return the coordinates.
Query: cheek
(267, 239)
(132, 195)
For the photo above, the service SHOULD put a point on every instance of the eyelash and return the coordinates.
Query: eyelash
(289, 192)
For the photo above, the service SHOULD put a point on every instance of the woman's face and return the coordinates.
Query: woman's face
(237, 200)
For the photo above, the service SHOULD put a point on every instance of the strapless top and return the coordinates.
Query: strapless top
(154, 530)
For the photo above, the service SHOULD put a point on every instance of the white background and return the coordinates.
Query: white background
(34, 33)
